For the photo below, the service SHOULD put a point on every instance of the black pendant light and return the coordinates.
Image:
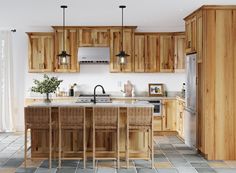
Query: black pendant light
(63, 57)
(122, 55)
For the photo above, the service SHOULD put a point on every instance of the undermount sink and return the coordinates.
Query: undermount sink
(88, 98)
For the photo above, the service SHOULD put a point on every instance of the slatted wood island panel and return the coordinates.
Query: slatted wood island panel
(72, 140)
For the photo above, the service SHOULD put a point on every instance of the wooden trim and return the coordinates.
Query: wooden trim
(94, 27)
(31, 34)
(160, 33)
(211, 7)
(165, 133)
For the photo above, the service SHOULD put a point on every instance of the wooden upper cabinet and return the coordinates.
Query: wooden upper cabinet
(40, 52)
(93, 37)
(147, 53)
(101, 37)
(159, 52)
(85, 37)
(115, 48)
(199, 35)
(152, 58)
(166, 53)
(71, 47)
(190, 27)
(139, 53)
(179, 53)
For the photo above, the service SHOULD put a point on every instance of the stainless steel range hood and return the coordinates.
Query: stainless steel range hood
(94, 55)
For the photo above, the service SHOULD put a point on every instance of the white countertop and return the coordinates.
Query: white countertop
(112, 97)
(113, 104)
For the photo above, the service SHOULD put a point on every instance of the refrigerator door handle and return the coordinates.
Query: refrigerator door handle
(191, 111)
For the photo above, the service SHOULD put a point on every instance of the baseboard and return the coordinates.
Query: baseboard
(165, 133)
(19, 128)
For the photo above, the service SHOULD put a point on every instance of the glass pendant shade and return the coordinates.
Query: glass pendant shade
(122, 57)
(64, 58)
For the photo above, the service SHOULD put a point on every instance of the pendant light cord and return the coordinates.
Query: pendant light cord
(63, 29)
(122, 28)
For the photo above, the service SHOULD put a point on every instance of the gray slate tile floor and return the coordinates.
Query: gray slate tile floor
(171, 156)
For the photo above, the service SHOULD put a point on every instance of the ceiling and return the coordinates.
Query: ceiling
(161, 15)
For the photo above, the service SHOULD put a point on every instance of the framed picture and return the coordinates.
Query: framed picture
(156, 89)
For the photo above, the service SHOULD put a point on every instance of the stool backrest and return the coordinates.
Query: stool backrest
(106, 116)
(37, 115)
(72, 116)
(140, 116)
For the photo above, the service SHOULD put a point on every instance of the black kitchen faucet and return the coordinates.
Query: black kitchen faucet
(94, 92)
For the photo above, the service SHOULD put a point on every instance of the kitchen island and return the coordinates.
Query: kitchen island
(72, 139)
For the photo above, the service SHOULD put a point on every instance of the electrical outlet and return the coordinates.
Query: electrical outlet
(119, 83)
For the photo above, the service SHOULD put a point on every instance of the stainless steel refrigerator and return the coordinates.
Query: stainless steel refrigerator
(190, 131)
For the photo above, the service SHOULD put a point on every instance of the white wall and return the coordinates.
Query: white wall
(89, 76)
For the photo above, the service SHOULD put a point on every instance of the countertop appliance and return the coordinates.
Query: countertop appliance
(94, 55)
(157, 107)
(190, 119)
(88, 98)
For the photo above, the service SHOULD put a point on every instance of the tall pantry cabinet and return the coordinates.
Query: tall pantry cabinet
(214, 42)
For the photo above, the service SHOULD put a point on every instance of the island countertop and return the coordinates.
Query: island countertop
(112, 104)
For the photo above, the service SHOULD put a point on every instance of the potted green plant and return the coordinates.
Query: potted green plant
(46, 86)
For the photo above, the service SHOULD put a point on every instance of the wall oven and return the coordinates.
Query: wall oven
(157, 107)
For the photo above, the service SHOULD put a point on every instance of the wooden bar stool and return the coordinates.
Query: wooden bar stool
(72, 118)
(140, 119)
(38, 118)
(106, 119)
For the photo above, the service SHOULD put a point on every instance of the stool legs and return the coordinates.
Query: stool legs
(50, 146)
(25, 146)
(94, 145)
(118, 148)
(152, 148)
(127, 147)
(59, 153)
(84, 142)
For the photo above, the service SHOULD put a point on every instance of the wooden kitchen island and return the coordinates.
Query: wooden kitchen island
(72, 139)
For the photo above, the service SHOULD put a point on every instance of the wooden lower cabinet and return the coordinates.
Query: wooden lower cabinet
(180, 105)
(73, 139)
(167, 120)
(157, 123)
